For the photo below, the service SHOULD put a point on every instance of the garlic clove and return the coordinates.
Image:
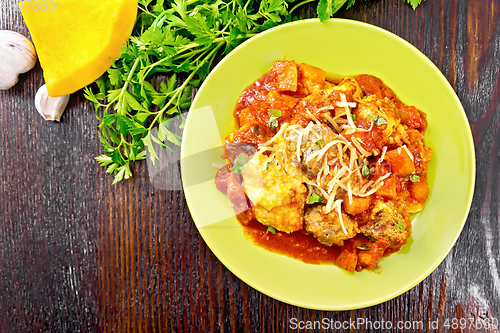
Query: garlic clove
(51, 108)
(17, 55)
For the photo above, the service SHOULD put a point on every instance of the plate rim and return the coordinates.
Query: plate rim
(472, 165)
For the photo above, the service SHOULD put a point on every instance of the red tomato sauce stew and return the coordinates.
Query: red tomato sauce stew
(325, 172)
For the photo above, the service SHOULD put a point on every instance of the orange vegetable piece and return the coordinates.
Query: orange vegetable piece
(369, 258)
(410, 116)
(400, 161)
(388, 190)
(419, 190)
(285, 75)
(357, 206)
(310, 78)
(75, 39)
(347, 259)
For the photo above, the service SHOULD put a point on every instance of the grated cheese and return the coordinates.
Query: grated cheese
(384, 150)
(358, 145)
(338, 203)
(408, 152)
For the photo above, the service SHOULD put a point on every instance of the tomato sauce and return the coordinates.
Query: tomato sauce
(297, 245)
(252, 113)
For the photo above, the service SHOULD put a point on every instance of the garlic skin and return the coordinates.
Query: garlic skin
(51, 108)
(17, 55)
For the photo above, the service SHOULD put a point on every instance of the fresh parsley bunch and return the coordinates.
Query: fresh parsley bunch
(180, 39)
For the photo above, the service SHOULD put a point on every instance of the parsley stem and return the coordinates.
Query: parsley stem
(191, 75)
(127, 81)
(300, 4)
(185, 83)
(190, 47)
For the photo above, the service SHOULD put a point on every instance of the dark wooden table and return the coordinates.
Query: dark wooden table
(79, 254)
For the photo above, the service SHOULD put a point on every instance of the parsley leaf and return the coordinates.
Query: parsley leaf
(319, 142)
(365, 171)
(380, 121)
(271, 230)
(414, 178)
(326, 8)
(273, 121)
(314, 198)
(414, 3)
(400, 227)
(363, 248)
(377, 119)
(240, 162)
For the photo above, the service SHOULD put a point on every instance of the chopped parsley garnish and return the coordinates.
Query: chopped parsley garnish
(319, 142)
(400, 227)
(414, 178)
(314, 198)
(267, 165)
(378, 119)
(240, 162)
(364, 248)
(365, 171)
(353, 116)
(271, 230)
(273, 121)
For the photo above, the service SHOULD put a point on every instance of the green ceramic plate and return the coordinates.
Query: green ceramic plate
(344, 47)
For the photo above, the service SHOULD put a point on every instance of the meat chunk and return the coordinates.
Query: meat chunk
(388, 220)
(309, 145)
(278, 197)
(326, 227)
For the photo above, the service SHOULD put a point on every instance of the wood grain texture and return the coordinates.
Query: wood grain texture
(78, 254)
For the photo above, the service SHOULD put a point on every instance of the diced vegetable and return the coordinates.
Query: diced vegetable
(347, 260)
(369, 258)
(357, 206)
(310, 78)
(410, 116)
(401, 163)
(285, 75)
(419, 190)
(388, 190)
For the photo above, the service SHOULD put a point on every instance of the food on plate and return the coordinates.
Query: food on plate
(77, 40)
(334, 170)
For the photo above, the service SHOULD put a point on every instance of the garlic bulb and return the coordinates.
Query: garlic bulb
(17, 55)
(51, 108)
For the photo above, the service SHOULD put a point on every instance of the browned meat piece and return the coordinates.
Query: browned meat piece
(388, 220)
(278, 198)
(326, 227)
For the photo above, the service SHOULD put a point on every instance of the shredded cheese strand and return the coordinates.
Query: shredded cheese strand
(338, 203)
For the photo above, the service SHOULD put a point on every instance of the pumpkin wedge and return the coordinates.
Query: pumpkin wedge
(76, 39)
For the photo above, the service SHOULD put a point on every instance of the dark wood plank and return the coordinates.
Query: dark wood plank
(80, 254)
